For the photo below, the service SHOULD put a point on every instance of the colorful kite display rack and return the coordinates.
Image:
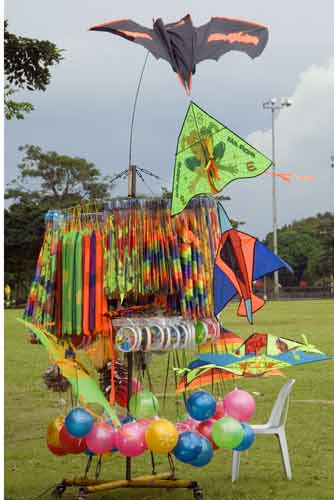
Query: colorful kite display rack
(133, 252)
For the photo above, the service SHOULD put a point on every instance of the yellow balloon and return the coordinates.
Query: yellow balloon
(161, 436)
(54, 429)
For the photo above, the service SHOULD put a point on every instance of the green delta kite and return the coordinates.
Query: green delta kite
(209, 156)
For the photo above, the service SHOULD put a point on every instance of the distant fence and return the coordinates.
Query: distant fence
(296, 292)
(285, 293)
(306, 293)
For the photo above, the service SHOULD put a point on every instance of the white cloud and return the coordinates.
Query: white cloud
(304, 142)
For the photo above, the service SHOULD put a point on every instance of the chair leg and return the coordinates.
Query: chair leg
(235, 465)
(285, 453)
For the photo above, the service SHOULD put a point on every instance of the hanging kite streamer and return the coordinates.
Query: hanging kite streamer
(132, 252)
(290, 176)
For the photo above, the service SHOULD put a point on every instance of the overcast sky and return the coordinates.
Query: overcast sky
(86, 110)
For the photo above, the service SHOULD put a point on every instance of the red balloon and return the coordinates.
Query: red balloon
(205, 428)
(70, 443)
(220, 410)
(57, 451)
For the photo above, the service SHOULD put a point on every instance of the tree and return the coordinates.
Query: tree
(46, 181)
(27, 65)
(308, 246)
(23, 232)
(55, 180)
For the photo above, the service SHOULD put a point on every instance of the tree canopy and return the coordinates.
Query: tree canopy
(308, 246)
(52, 179)
(27, 64)
(46, 180)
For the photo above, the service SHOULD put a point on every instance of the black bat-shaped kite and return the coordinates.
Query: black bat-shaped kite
(183, 45)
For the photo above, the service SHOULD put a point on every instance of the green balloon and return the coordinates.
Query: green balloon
(200, 333)
(143, 404)
(227, 432)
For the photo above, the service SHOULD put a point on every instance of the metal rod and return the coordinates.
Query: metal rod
(274, 200)
(131, 194)
(129, 357)
(135, 106)
(141, 483)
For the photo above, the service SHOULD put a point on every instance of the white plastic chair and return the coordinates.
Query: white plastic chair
(276, 426)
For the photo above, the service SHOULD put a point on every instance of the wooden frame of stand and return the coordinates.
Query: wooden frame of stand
(165, 480)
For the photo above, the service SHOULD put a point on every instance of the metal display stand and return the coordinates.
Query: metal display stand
(165, 480)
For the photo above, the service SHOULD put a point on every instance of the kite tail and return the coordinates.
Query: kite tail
(249, 306)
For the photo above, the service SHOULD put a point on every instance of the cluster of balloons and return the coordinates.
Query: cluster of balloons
(210, 425)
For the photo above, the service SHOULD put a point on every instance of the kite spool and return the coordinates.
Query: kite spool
(159, 334)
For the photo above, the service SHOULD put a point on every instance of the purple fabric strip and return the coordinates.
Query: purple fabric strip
(92, 282)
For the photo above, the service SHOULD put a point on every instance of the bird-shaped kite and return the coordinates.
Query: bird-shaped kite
(183, 45)
(70, 362)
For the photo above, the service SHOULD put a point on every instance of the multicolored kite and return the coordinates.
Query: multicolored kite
(259, 354)
(241, 259)
(84, 386)
(228, 342)
(209, 156)
(183, 46)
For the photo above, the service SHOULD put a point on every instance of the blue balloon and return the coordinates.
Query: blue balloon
(248, 439)
(201, 405)
(79, 422)
(205, 455)
(89, 453)
(188, 446)
(127, 419)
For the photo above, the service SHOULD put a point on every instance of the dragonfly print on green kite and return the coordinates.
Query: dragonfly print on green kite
(209, 156)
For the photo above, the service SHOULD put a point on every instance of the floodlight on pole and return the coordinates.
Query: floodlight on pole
(275, 104)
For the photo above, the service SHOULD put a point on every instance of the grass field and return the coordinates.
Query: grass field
(30, 468)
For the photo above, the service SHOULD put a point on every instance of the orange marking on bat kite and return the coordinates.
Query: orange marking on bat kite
(180, 23)
(240, 37)
(107, 23)
(136, 34)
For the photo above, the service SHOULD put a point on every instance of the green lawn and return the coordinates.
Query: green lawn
(30, 468)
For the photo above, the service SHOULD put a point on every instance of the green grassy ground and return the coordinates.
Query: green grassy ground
(30, 468)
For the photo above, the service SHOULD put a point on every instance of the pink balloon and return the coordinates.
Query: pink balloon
(220, 410)
(146, 421)
(240, 405)
(182, 427)
(191, 423)
(101, 438)
(130, 439)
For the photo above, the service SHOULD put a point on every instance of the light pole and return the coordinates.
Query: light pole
(274, 105)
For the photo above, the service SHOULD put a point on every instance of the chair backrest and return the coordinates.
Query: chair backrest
(281, 405)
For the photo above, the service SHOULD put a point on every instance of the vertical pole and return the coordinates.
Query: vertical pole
(129, 358)
(274, 201)
(132, 178)
(265, 287)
